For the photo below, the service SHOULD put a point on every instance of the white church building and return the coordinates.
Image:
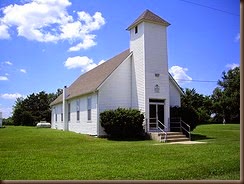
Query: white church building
(136, 78)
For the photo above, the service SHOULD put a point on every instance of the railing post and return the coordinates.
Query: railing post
(181, 126)
(190, 133)
(147, 125)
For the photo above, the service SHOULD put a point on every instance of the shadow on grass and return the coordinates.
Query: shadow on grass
(139, 138)
(197, 137)
(125, 139)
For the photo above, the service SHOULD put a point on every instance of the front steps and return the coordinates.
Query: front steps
(171, 137)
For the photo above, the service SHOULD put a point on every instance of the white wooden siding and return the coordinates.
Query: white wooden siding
(116, 91)
(83, 125)
(57, 109)
(156, 62)
(138, 67)
(175, 97)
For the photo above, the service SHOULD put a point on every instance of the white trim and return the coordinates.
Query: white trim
(176, 84)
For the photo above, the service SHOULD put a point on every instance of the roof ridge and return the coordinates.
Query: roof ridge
(148, 16)
(91, 80)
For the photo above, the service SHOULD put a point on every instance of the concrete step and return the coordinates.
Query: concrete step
(172, 133)
(177, 139)
(171, 136)
(175, 136)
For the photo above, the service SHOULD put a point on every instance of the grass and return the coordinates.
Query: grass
(29, 153)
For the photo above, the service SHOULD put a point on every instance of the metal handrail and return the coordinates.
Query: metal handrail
(188, 131)
(165, 133)
(162, 130)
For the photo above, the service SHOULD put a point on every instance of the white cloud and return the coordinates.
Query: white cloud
(232, 66)
(22, 70)
(91, 23)
(82, 62)
(101, 62)
(87, 43)
(7, 111)
(4, 32)
(237, 38)
(179, 74)
(89, 67)
(9, 96)
(3, 78)
(49, 21)
(8, 63)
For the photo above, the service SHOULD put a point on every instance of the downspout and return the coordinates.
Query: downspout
(64, 109)
(98, 115)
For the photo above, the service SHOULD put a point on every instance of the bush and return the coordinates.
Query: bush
(188, 115)
(8, 121)
(122, 123)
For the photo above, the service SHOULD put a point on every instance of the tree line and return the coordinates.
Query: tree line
(32, 109)
(222, 105)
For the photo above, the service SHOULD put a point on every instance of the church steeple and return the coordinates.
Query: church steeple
(148, 16)
(148, 43)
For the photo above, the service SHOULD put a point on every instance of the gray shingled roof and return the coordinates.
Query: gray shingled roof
(148, 16)
(90, 81)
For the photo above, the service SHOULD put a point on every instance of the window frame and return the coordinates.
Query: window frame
(78, 110)
(62, 115)
(69, 114)
(136, 29)
(89, 109)
(55, 115)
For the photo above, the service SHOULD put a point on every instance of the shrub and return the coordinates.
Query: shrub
(8, 121)
(189, 115)
(122, 123)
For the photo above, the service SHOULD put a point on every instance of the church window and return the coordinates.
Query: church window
(136, 29)
(78, 110)
(69, 111)
(89, 104)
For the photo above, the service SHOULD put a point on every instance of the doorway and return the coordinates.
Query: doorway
(156, 114)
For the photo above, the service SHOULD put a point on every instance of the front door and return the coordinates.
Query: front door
(156, 114)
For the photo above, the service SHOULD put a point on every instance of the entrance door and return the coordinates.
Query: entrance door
(156, 114)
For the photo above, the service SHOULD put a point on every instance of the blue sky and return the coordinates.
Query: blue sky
(46, 44)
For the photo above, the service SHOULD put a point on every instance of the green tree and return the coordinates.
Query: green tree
(8, 121)
(195, 108)
(34, 108)
(226, 97)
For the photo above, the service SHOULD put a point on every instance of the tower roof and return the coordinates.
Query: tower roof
(148, 16)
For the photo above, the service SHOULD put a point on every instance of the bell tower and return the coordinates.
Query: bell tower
(150, 77)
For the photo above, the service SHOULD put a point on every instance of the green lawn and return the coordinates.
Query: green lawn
(29, 153)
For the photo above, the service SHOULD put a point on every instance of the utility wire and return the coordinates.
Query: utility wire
(195, 80)
(223, 11)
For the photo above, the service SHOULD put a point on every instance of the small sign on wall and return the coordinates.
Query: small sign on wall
(156, 88)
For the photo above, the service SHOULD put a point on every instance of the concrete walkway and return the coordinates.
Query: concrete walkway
(182, 142)
(187, 142)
